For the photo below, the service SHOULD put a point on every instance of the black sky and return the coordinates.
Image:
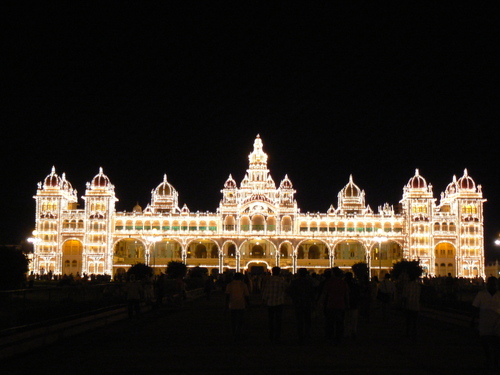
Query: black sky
(182, 88)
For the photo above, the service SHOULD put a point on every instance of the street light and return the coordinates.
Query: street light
(380, 239)
(150, 241)
(31, 256)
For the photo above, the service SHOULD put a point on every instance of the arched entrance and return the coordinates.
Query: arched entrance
(445, 259)
(383, 257)
(129, 251)
(349, 252)
(229, 256)
(257, 268)
(203, 253)
(258, 251)
(286, 256)
(313, 255)
(72, 257)
(164, 252)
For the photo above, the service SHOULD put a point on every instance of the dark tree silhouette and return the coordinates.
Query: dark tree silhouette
(140, 271)
(361, 271)
(13, 268)
(176, 269)
(411, 268)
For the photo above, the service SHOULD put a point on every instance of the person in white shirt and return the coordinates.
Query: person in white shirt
(274, 297)
(486, 306)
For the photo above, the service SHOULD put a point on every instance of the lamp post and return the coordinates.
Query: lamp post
(379, 239)
(33, 257)
(497, 271)
(150, 241)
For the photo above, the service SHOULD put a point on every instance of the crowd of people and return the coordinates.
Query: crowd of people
(65, 279)
(340, 296)
(342, 299)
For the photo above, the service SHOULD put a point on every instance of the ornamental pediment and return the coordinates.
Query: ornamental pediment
(257, 197)
(258, 208)
(48, 215)
(420, 217)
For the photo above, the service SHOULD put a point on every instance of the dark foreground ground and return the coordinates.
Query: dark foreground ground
(196, 339)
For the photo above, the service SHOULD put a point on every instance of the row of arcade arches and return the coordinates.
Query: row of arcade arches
(130, 251)
(309, 253)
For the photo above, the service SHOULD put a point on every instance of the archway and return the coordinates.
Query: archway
(165, 251)
(258, 249)
(313, 254)
(383, 257)
(72, 257)
(231, 250)
(445, 259)
(258, 223)
(349, 252)
(129, 251)
(286, 255)
(257, 267)
(203, 253)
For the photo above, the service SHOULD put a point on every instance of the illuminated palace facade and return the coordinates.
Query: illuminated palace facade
(257, 226)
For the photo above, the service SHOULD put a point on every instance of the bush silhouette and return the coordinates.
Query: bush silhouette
(410, 268)
(176, 269)
(13, 268)
(140, 271)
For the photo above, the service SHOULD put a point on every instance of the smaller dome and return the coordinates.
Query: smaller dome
(65, 184)
(417, 181)
(245, 182)
(270, 182)
(52, 180)
(230, 183)
(452, 186)
(286, 183)
(466, 182)
(100, 180)
(137, 208)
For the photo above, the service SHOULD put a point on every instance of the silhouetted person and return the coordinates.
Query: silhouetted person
(352, 311)
(134, 292)
(410, 299)
(336, 301)
(302, 292)
(385, 296)
(486, 305)
(374, 285)
(209, 286)
(179, 295)
(273, 295)
(149, 292)
(237, 300)
(160, 288)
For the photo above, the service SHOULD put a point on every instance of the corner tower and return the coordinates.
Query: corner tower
(55, 197)
(100, 203)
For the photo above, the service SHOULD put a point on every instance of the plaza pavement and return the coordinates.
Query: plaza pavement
(196, 339)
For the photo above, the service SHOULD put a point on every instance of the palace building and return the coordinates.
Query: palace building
(257, 226)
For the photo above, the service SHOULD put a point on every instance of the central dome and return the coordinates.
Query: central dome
(164, 188)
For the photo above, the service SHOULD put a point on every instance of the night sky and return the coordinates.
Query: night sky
(183, 88)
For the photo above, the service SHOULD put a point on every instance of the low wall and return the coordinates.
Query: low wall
(19, 340)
